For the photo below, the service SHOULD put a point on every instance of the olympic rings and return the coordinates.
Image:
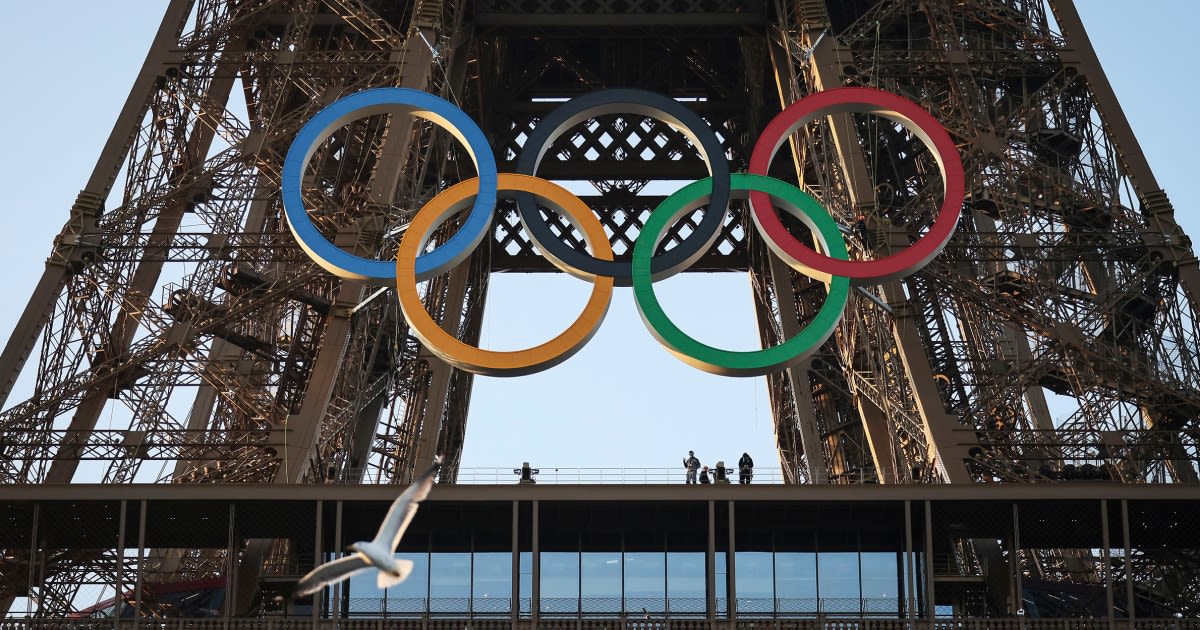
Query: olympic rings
(869, 101)
(650, 105)
(380, 101)
(491, 362)
(728, 362)
(830, 265)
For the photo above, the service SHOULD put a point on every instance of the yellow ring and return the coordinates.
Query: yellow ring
(492, 362)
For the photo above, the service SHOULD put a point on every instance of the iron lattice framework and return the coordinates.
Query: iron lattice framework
(180, 308)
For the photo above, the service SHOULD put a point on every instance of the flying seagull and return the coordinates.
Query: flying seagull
(378, 553)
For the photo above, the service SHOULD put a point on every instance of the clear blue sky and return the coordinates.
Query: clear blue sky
(623, 401)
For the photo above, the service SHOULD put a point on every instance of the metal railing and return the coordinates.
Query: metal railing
(615, 476)
(608, 607)
(631, 622)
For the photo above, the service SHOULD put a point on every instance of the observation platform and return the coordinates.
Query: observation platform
(627, 555)
(601, 476)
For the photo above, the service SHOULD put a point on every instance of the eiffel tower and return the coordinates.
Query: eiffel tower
(1053, 340)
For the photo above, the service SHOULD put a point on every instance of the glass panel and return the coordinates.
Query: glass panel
(838, 584)
(526, 583)
(407, 597)
(645, 582)
(601, 585)
(722, 585)
(449, 582)
(491, 589)
(755, 583)
(880, 583)
(796, 582)
(560, 582)
(685, 583)
(365, 599)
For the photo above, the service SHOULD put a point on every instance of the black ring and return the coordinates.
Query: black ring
(642, 103)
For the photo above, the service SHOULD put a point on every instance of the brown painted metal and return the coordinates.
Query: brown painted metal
(1056, 288)
(87, 206)
(608, 492)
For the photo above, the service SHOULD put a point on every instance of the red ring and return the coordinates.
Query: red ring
(868, 101)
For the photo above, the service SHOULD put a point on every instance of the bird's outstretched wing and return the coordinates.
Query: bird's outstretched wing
(330, 573)
(404, 507)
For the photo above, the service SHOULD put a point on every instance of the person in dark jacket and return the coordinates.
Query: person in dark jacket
(745, 468)
(704, 475)
(692, 465)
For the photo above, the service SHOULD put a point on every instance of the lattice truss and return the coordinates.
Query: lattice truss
(179, 324)
(613, 156)
(1056, 326)
(192, 283)
(1058, 330)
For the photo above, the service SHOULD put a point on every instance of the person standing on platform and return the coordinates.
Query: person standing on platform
(692, 465)
(745, 468)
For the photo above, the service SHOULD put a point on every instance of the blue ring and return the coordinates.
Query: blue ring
(379, 101)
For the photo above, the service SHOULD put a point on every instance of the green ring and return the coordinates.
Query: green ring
(728, 362)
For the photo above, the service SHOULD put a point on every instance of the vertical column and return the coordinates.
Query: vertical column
(141, 560)
(230, 565)
(623, 609)
(579, 575)
(316, 606)
(666, 577)
(1018, 603)
(816, 542)
(428, 607)
(1129, 603)
(118, 585)
(337, 544)
(1107, 556)
(514, 604)
(910, 584)
(930, 605)
(775, 577)
(471, 577)
(862, 601)
(710, 562)
(535, 548)
(33, 563)
(731, 572)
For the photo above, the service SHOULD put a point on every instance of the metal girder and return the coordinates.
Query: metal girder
(1058, 289)
(1162, 227)
(1050, 265)
(828, 63)
(90, 202)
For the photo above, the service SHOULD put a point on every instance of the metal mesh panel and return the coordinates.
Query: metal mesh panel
(971, 556)
(1165, 558)
(276, 544)
(16, 539)
(602, 605)
(452, 605)
(1062, 560)
(686, 605)
(491, 606)
(365, 606)
(76, 557)
(405, 606)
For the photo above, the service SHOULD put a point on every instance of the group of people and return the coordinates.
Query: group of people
(699, 474)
